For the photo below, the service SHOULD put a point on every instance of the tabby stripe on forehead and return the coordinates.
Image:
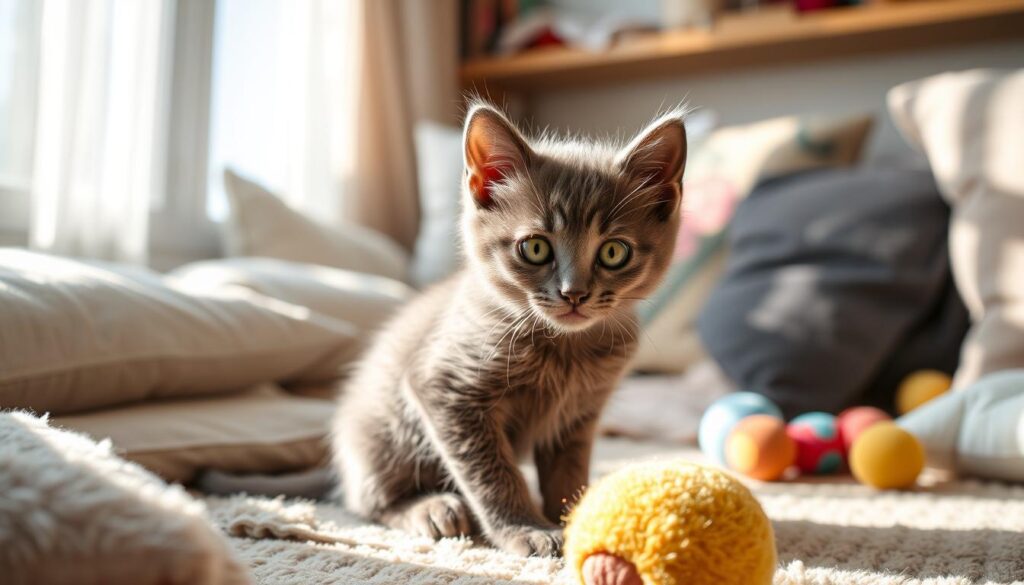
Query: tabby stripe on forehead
(591, 215)
(561, 216)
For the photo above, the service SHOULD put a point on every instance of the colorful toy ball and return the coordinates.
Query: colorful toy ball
(920, 387)
(886, 457)
(670, 523)
(722, 416)
(819, 448)
(854, 421)
(759, 447)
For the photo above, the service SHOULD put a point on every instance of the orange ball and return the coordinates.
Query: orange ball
(759, 447)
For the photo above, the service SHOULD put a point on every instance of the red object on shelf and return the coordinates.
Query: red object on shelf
(546, 38)
(811, 5)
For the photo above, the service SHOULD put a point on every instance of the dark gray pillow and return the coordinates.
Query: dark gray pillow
(831, 275)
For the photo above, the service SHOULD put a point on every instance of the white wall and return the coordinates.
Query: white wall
(851, 85)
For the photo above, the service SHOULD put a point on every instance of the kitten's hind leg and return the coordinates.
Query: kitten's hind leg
(436, 515)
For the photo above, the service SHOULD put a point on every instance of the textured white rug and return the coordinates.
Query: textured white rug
(828, 533)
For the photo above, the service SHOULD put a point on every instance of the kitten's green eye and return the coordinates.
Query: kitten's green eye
(535, 250)
(613, 254)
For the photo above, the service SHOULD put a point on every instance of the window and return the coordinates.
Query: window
(250, 84)
(282, 98)
(19, 59)
(248, 131)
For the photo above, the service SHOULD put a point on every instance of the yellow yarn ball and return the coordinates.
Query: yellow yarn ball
(677, 523)
(886, 457)
(920, 387)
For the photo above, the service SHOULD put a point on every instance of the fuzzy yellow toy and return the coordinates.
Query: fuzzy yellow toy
(670, 523)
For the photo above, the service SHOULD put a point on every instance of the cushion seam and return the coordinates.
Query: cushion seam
(221, 445)
(20, 377)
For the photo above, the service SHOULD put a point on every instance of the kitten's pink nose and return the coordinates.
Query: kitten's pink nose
(575, 297)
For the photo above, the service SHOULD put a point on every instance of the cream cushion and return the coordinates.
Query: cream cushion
(261, 224)
(75, 336)
(264, 430)
(363, 300)
(971, 127)
(72, 512)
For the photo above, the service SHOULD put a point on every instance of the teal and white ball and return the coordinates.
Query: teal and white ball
(720, 418)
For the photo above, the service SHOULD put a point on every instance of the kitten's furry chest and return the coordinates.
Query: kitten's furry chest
(544, 384)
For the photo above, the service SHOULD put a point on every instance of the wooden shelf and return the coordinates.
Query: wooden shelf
(768, 37)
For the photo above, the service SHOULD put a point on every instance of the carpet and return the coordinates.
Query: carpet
(828, 532)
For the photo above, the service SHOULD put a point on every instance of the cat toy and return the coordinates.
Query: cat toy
(749, 430)
(670, 523)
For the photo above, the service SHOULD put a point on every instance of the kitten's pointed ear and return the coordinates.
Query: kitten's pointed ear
(493, 150)
(655, 160)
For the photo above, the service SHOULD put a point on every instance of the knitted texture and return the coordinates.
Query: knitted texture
(678, 523)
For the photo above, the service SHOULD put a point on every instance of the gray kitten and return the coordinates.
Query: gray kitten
(516, 354)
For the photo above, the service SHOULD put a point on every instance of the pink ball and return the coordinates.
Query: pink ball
(855, 420)
(819, 448)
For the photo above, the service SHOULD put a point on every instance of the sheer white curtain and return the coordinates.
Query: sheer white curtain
(284, 99)
(319, 59)
(317, 98)
(104, 85)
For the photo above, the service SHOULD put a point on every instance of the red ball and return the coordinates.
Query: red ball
(819, 448)
(855, 420)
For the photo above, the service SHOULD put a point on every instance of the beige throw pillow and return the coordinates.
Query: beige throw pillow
(72, 512)
(261, 224)
(364, 300)
(264, 430)
(970, 125)
(75, 336)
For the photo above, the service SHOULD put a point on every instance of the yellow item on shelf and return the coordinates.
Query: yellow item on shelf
(670, 523)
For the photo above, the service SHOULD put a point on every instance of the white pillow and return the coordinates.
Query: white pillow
(75, 336)
(261, 224)
(72, 512)
(439, 171)
(978, 430)
(970, 124)
(364, 300)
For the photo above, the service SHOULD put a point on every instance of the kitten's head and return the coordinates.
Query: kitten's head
(571, 231)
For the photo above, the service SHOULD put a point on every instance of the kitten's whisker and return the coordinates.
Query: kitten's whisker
(636, 323)
(623, 201)
(625, 330)
(494, 311)
(632, 210)
(497, 344)
(512, 349)
(636, 193)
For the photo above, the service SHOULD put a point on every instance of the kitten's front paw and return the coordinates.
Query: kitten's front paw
(530, 541)
(438, 516)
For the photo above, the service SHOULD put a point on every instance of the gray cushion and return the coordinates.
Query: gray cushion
(832, 274)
